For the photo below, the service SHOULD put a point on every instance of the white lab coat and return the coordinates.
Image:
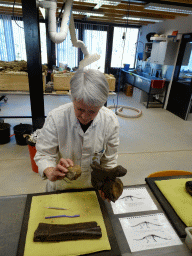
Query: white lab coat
(62, 136)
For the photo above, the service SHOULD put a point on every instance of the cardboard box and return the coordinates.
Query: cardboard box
(16, 81)
(111, 81)
(128, 90)
(62, 81)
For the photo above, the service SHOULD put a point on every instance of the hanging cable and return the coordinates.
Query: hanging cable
(61, 11)
(14, 16)
(118, 111)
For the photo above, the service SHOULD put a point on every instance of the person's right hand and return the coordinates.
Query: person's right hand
(60, 171)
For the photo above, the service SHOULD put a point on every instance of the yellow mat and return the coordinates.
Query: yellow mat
(84, 203)
(176, 195)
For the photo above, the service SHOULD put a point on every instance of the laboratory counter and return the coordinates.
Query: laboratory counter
(13, 211)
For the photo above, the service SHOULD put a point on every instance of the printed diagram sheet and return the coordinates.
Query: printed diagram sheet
(133, 200)
(149, 232)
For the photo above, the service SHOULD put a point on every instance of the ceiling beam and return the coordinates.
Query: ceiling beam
(112, 20)
(179, 1)
(182, 3)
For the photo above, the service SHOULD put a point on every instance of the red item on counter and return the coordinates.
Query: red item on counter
(157, 84)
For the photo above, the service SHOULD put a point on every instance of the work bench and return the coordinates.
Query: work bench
(149, 84)
(14, 223)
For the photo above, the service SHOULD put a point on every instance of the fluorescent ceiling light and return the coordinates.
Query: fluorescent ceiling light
(10, 5)
(88, 14)
(101, 2)
(168, 8)
(142, 19)
(113, 3)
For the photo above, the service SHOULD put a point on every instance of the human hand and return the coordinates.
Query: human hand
(102, 195)
(60, 171)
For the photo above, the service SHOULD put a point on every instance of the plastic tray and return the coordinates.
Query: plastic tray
(188, 239)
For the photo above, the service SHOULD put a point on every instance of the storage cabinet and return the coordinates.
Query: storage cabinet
(164, 53)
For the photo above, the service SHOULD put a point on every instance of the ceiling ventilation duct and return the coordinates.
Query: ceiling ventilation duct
(66, 23)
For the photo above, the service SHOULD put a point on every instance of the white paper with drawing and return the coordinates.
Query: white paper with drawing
(149, 232)
(134, 200)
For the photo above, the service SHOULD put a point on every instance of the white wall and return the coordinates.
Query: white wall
(182, 24)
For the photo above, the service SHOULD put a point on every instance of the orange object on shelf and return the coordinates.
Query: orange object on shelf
(174, 33)
(169, 173)
(32, 152)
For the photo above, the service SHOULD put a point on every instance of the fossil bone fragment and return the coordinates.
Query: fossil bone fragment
(55, 233)
(74, 172)
(188, 186)
(107, 181)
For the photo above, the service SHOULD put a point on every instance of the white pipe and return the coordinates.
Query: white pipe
(66, 23)
(51, 5)
(75, 42)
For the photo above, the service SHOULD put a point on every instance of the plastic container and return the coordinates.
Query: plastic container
(126, 67)
(4, 133)
(188, 239)
(32, 152)
(20, 130)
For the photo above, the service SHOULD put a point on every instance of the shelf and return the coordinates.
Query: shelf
(167, 38)
(158, 38)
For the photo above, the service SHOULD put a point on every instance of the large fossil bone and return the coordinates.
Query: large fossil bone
(55, 233)
(106, 180)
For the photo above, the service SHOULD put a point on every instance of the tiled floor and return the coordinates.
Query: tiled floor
(158, 140)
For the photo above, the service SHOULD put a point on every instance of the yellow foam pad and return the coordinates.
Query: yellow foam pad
(84, 203)
(176, 194)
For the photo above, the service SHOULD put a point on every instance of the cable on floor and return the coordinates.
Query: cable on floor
(119, 111)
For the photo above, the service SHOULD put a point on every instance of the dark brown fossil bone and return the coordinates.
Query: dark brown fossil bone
(74, 172)
(188, 186)
(55, 233)
(107, 181)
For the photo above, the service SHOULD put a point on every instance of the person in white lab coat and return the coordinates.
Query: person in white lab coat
(77, 132)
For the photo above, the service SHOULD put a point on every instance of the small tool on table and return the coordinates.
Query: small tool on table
(56, 208)
(60, 216)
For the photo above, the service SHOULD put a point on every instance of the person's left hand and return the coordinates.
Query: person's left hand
(102, 195)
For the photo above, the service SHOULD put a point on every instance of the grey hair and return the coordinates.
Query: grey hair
(89, 85)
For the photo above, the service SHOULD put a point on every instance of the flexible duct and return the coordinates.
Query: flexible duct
(88, 58)
(52, 27)
(66, 23)
(75, 42)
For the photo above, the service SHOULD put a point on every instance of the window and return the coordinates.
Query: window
(124, 51)
(12, 40)
(66, 52)
(3, 49)
(43, 43)
(95, 40)
(19, 39)
(12, 44)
